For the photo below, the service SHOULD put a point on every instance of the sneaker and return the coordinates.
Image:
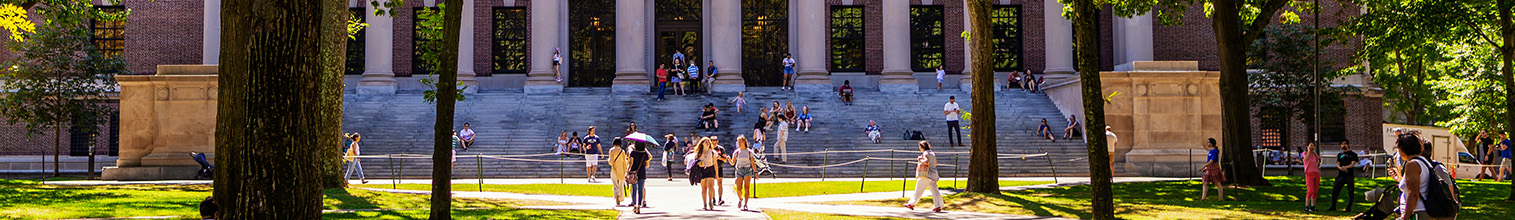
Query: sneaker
(936, 210)
(911, 207)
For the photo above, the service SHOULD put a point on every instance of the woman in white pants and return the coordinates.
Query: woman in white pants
(783, 137)
(925, 178)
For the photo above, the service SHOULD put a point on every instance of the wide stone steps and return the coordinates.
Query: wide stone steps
(512, 123)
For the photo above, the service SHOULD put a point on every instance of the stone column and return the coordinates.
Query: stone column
(811, 41)
(544, 38)
(630, 45)
(1059, 41)
(210, 52)
(726, 45)
(1133, 40)
(898, 77)
(465, 50)
(378, 55)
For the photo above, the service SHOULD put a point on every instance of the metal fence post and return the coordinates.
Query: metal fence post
(1049, 165)
(560, 170)
(479, 158)
(902, 184)
(865, 176)
(891, 164)
(824, 158)
(394, 182)
(956, 170)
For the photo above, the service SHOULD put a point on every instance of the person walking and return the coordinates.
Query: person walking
(746, 165)
(620, 162)
(591, 154)
(1346, 176)
(925, 178)
(1213, 173)
(720, 180)
(739, 101)
(708, 158)
(941, 75)
(788, 63)
(1504, 154)
(1111, 141)
(638, 177)
(783, 137)
(354, 150)
(1311, 157)
(952, 111)
(670, 153)
(662, 74)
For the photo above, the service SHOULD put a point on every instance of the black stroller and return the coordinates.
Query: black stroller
(207, 171)
(1384, 202)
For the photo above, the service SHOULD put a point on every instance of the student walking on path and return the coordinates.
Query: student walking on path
(705, 172)
(354, 150)
(670, 153)
(720, 180)
(746, 165)
(1346, 176)
(591, 154)
(620, 162)
(1312, 175)
(953, 129)
(1213, 173)
(638, 177)
(925, 178)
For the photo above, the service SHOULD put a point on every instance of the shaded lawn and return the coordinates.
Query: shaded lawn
(601, 190)
(1176, 200)
(770, 190)
(24, 199)
(780, 214)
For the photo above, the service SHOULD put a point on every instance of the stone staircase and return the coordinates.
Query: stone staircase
(514, 123)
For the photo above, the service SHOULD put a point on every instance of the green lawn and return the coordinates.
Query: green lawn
(601, 190)
(770, 190)
(25, 199)
(780, 214)
(1176, 200)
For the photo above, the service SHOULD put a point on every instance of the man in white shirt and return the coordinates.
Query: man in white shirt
(467, 136)
(1111, 141)
(951, 110)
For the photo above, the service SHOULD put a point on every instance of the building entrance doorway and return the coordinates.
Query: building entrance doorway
(679, 29)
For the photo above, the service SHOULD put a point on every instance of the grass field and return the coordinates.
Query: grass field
(1176, 200)
(25, 199)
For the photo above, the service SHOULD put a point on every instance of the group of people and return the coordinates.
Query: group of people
(1029, 82)
(461, 140)
(779, 119)
(1069, 132)
(1496, 156)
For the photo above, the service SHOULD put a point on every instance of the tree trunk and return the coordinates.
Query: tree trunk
(1236, 123)
(1086, 16)
(441, 173)
(983, 167)
(1507, 58)
(57, 148)
(333, 50)
(264, 133)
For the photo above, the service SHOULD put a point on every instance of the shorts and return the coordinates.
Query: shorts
(454, 156)
(743, 172)
(591, 160)
(555, 62)
(1505, 163)
(789, 70)
(677, 80)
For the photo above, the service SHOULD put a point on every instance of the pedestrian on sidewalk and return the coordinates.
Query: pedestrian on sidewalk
(638, 178)
(954, 131)
(757, 134)
(926, 177)
(670, 153)
(1346, 176)
(746, 165)
(354, 150)
(720, 180)
(591, 154)
(1213, 173)
(1312, 175)
(708, 157)
(620, 162)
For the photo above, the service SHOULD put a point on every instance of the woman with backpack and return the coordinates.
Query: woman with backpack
(1414, 179)
(1312, 175)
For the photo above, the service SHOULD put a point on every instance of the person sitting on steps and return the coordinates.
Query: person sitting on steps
(1045, 131)
(873, 132)
(846, 92)
(707, 117)
(1072, 127)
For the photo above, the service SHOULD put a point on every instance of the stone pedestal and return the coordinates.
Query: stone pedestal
(1164, 111)
(542, 83)
(631, 82)
(899, 82)
(729, 82)
(813, 82)
(164, 118)
(966, 83)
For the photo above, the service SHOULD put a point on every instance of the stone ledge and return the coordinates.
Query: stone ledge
(149, 173)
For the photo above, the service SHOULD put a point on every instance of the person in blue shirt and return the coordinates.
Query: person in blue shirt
(873, 132)
(1045, 131)
(709, 77)
(694, 77)
(1504, 154)
(1213, 173)
(591, 153)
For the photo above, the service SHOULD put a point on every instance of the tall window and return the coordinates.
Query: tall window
(109, 36)
(591, 43)
(765, 40)
(1005, 20)
(355, 44)
(847, 39)
(508, 47)
(421, 40)
(1333, 123)
(926, 41)
(1274, 128)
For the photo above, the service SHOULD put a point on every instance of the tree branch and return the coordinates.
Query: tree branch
(1480, 33)
(1254, 30)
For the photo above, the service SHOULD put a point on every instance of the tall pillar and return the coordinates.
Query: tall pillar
(544, 38)
(378, 55)
(210, 49)
(1059, 41)
(898, 77)
(466, 73)
(726, 45)
(630, 45)
(811, 42)
(1133, 40)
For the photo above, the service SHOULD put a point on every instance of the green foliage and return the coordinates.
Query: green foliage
(59, 76)
(1287, 59)
(354, 24)
(386, 7)
(1474, 94)
(429, 26)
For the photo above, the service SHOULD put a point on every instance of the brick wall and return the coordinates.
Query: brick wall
(1195, 39)
(14, 139)
(1364, 124)
(163, 32)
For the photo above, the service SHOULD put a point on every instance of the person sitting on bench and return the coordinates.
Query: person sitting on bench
(1071, 129)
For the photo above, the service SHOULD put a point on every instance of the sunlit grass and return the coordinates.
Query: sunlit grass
(770, 190)
(600, 190)
(1177, 200)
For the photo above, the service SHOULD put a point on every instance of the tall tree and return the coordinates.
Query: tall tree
(1286, 81)
(983, 169)
(334, 41)
(59, 78)
(1085, 16)
(447, 92)
(1506, 24)
(275, 52)
(1237, 23)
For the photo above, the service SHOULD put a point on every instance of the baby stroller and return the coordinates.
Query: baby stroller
(1384, 202)
(207, 171)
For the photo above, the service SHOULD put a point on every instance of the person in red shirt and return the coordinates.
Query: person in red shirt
(662, 81)
(846, 92)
